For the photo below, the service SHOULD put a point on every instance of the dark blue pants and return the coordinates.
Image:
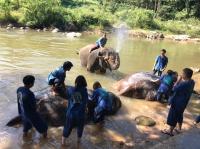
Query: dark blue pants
(157, 71)
(175, 116)
(34, 121)
(74, 119)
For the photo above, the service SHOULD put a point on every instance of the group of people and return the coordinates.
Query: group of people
(97, 104)
(176, 89)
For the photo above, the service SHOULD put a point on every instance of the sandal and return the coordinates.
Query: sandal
(167, 133)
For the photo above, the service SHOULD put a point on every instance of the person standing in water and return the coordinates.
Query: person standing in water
(182, 92)
(75, 114)
(27, 108)
(57, 77)
(100, 43)
(160, 63)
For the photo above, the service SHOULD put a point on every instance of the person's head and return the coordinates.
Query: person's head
(80, 82)
(67, 65)
(29, 81)
(96, 85)
(163, 52)
(170, 72)
(187, 73)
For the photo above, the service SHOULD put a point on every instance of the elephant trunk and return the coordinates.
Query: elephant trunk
(114, 64)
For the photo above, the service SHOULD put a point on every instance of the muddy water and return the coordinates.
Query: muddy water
(36, 53)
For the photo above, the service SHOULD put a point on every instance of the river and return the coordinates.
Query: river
(39, 53)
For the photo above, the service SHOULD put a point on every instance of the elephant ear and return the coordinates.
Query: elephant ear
(91, 59)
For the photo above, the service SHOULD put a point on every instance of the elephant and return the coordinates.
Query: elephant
(138, 85)
(52, 108)
(95, 60)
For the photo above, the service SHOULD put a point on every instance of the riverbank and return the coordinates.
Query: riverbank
(137, 33)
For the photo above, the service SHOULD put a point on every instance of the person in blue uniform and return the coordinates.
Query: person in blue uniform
(75, 115)
(59, 75)
(100, 43)
(27, 108)
(102, 103)
(160, 63)
(182, 92)
(166, 83)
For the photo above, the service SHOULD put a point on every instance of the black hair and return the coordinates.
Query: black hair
(67, 65)
(170, 72)
(28, 80)
(163, 50)
(188, 72)
(96, 85)
(80, 82)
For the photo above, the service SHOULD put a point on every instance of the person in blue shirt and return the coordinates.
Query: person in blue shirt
(75, 114)
(102, 103)
(100, 43)
(160, 63)
(166, 84)
(182, 92)
(59, 75)
(27, 108)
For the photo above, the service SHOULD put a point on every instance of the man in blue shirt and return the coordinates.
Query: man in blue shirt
(27, 108)
(100, 43)
(182, 92)
(57, 77)
(60, 73)
(160, 63)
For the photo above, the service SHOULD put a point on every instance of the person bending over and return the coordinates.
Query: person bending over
(27, 108)
(75, 114)
(182, 92)
(160, 63)
(102, 103)
(59, 75)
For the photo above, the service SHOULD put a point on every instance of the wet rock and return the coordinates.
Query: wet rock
(13, 27)
(55, 30)
(38, 30)
(181, 37)
(155, 35)
(145, 121)
(45, 29)
(73, 34)
(8, 28)
(22, 28)
(10, 25)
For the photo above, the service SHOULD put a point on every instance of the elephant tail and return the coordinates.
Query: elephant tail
(14, 121)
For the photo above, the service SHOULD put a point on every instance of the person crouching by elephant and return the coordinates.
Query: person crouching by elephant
(166, 83)
(27, 108)
(100, 43)
(160, 63)
(102, 103)
(59, 75)
(75, 115)
(182, 92)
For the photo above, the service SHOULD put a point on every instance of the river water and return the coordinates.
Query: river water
(39, 53)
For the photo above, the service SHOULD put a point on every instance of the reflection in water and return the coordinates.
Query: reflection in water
(36, 53)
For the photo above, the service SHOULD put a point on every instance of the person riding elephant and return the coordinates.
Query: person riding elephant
(99, 59)
(100, 43)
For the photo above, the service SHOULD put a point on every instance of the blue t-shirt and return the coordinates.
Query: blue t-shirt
(166, 81)
(59, 74)
(26, 102)
(77, 100)
(101, 42)
(181, 94)
(101, 98)
(161, 62)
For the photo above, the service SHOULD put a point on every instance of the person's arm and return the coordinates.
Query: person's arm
(156, 61)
